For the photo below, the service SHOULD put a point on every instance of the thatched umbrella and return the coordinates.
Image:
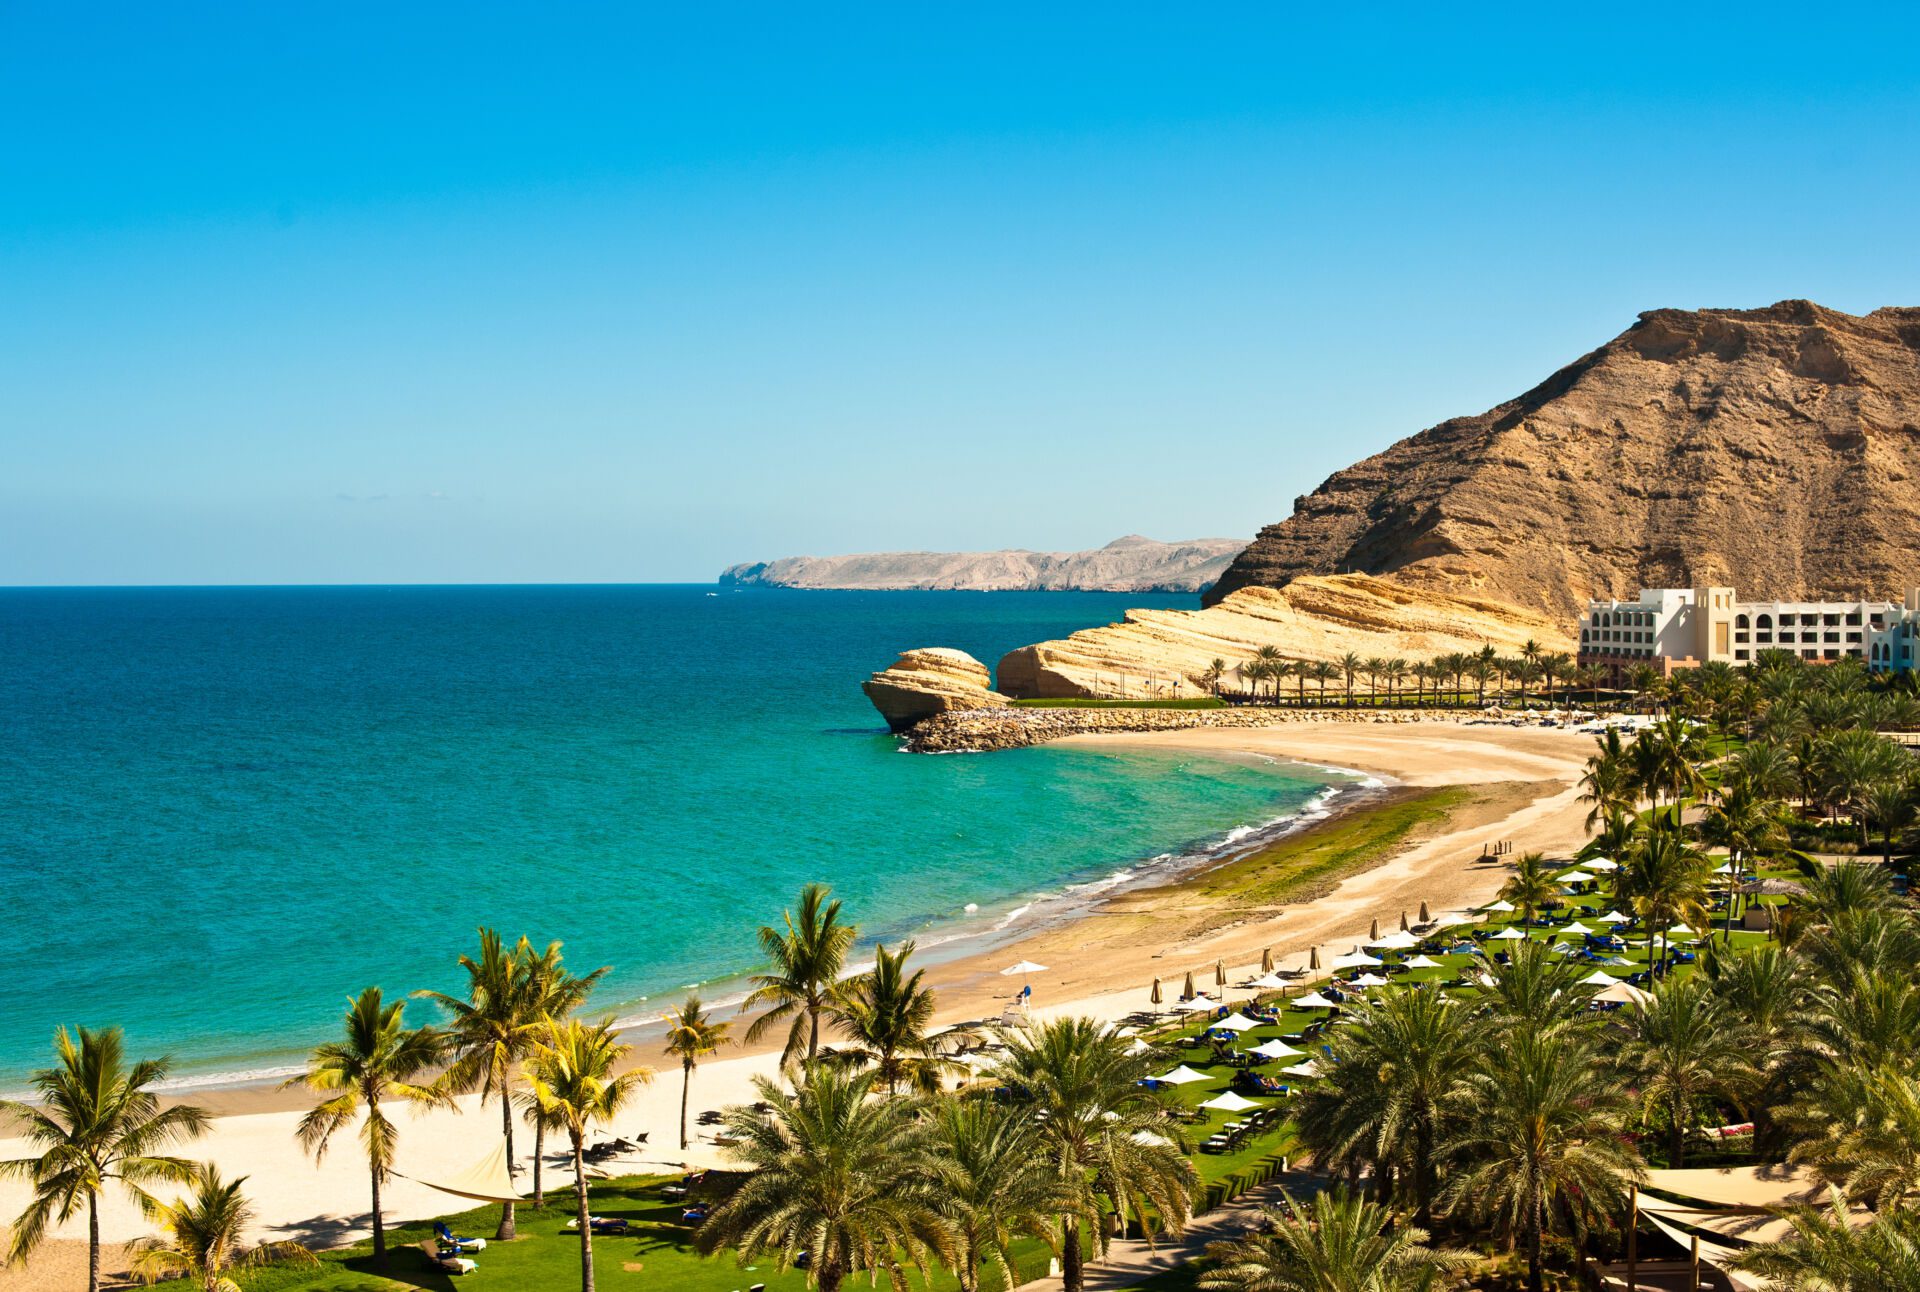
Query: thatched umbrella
(1186, 992)
(1424, 917)
(1374, 932)
(1313, 958)
(1154, 995)
(1219, 973)
(1403, 923)
(1266, 961)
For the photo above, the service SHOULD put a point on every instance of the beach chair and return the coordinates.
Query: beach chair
(449, 1242)
(447, 1263)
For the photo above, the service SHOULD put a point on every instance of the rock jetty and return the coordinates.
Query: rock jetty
(985, 730)
(924, 683)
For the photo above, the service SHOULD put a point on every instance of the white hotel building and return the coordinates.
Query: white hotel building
(1673, 628)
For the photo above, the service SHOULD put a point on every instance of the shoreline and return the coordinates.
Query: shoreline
(1508, 783)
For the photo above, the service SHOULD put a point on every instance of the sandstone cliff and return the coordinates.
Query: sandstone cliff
(1130, 564)
(934, 680)
(1162, 653)
(1771, 449)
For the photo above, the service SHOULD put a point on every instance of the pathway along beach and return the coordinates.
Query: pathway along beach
(1457, 787)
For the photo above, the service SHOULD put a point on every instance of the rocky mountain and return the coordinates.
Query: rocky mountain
(1772, 449)
(1130, 564)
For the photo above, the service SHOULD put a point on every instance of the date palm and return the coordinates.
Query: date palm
(1684, 1051)
(1350, 664)
(1860, 1128)
(806, 959)
(836, 1175)
(1534, 991)
(1531, 886)
(991, 1184)
(95, 1121)
(1335, 1242)
(1607, 781)
(1829, 1252)
(1665, 878)
(204, 1235)
(572, 1075)
(491, 1032)
(1101, 1132)
(885, 1012)
(1540, 1145)
(1324, 672)
(692, 1034)
(554, 993)
(1379, 1108)
(377, 1061)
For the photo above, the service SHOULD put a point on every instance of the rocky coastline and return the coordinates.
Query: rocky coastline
(986, 730)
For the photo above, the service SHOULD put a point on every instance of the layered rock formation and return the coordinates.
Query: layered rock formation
(1130, 564)
(1164, 653)
(1770, 449)
(923, 683)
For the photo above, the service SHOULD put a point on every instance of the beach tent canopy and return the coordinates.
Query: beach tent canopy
(1270, 982)
(1599, 978)
(1772, 1185)
(1025, 966)
(1138, 1047)
(1276, 1050)
(1314, 1000)
(1237, 1022)
(1509, 934)
(1354, 960)
(487, 1180)
(1499, 907)
(1228, 1102)
(1369, 980)
(1718, 1255)
(1601, 863)
(1307, 1069)
(1575, 930)
(1679, 930)
(1181, 1075)
(1423, 962)
(1623, 993)
(1195, 1005)
(1574, 877)
(1400, 940)
(1614, 917)
(1451, 918)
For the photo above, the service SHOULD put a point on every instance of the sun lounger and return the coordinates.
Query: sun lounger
(449, 1242)
(447, 1263)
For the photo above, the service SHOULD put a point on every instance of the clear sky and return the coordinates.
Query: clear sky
(416, 292)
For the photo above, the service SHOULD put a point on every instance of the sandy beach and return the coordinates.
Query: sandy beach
(1522, 788)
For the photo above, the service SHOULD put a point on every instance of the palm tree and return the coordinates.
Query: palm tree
(1324, 671)
(1396, 674)
(1607, 783)
(1860, 1129)
(806, 960)
(1375, 669)
(1211, 675)
(1481, 671)
(1665, 878)
(834, 1174)
(1349, 665)
(886, 1013)
(990, 1183)
(95, 1120)
(1851, 763)
(1891, 804)
(1531, 886)
(1335, 1242)
(1830, 1252)
(555, 993)
(491, 1032)
(1535, 991)
(1100, 1131)
(205, 1234)
(378, 1060)
(1684, 1053)
(1274, 666)
(571, 1073)
(1832, 894)
(692, 1034)
(1552, 666)
(1540, 1142)
(1378, 1110)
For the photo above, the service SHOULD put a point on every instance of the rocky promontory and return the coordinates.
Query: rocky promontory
(925, 683)
(1130, 564)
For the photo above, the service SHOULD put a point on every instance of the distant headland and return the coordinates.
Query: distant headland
(1130, 564)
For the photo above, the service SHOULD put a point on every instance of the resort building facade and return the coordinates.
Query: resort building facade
(1671, 628)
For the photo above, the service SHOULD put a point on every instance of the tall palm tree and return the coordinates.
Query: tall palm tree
(204, 1235)
(1665, 878)
(1378, 1110)
(1335, 1242)
(1607, 783)
(572, 1074)
(991, 1184)
(692, 1034)
(491, 1031)
(1685, 1051)
(1534, 992)
(835, 1174)
(1540, 1144)
(1100, 1130)
(1859, 1127)
(1891, 804)
(1324, 671)
(1531, 886)
(806, 959)
(1829, 1252)
(1350, 664)
(555, 992)
(1274, 666)
(96, 1121)
(379, 1059)
(885, 1012)
(1211, 675)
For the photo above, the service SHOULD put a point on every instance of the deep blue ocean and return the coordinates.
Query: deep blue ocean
(224, 810)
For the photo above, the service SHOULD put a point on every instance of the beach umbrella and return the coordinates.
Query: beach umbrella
(1270, 982)
(1228, 1102)
(1195, 1004)
(1679, 930)
(1314, 1000)
(1599, 978)
(1306, 1069)
(1423, 962)
(1369, 980)
(1574, 877)
(1501, 908)
(1614, 917)
(1025, 966)
(1186, 992)
(1424, 917)
(1623, 993)
(1355, 959)
(1601, 863)
(1238, 1022)
(1266, 960)
(1373, 934)
(1219, 973)
(1276, 1050)
(1313, 957)
(1403, 921)
(1181, 1076)
(1452, 918)
(1401, 940)
(1154, 995)
(1509, 934)
(1575, 930)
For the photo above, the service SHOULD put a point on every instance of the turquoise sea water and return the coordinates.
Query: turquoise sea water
(224, 810)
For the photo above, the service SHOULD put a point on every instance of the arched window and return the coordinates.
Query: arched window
(1763, 621)
(1740, 621)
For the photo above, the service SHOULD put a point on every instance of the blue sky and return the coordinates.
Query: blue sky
(330, 293)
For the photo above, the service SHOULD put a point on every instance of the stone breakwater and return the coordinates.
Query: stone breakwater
(989, 729)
